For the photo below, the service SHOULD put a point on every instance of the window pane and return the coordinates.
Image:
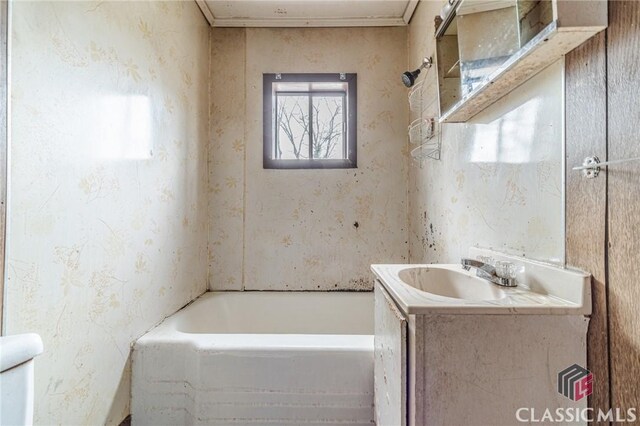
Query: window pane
(328, 127)
(292, 133)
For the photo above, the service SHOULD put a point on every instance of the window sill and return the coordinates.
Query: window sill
(308, 164)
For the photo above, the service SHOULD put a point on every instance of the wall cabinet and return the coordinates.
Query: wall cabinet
(486, 48)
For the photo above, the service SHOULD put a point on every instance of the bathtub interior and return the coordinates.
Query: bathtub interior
(259, 358)
(267, 312)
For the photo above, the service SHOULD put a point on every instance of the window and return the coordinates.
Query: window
(309, 121)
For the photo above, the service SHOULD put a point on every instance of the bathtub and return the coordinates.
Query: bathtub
(258, 358)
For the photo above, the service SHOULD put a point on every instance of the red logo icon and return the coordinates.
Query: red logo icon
(575, 382)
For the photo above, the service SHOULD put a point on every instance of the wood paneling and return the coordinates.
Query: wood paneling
(623, 57)
(586, 135)
(3, 146)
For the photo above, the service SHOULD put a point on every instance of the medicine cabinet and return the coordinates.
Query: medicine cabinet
(486, 48)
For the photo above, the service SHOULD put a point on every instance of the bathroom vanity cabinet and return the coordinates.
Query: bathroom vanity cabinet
(452, 369)
(390, 361)
(451, 362)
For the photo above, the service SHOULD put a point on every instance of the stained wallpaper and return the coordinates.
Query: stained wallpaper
(306, 229)
(499, 181)
(136, 179)
(107, 222)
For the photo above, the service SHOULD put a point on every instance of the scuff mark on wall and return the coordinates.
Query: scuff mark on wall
(361, 284)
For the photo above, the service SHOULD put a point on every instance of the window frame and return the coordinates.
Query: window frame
(349, 116)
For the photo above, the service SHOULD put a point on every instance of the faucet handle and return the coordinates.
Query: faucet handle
(487, 259)
(505, 269)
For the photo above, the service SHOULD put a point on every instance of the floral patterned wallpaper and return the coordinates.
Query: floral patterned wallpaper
(499, 181)
(127, 155)
(306, 229)
(107, 229)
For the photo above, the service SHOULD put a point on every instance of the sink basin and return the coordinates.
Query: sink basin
(450, 283)
(543, 289)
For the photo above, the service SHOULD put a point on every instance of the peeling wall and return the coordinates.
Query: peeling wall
(306, 229)
(499, 181)
(107, 230)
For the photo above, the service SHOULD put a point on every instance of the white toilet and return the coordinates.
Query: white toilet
(16, 378)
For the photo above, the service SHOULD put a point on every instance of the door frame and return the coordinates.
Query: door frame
(4, 143)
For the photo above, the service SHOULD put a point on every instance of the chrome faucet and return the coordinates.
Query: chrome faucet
(488, 272)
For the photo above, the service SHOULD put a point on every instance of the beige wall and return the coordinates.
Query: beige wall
(499, 181)
(107, 229)
(294, 229)
(110, 200)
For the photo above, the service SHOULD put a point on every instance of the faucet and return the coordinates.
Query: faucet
(488, 272)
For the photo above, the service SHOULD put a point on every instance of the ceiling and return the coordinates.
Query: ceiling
(307, 13)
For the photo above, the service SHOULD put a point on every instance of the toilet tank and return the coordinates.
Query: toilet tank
(16, 377)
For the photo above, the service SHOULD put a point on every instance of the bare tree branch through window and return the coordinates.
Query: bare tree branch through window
(297, 116)
(310, 121)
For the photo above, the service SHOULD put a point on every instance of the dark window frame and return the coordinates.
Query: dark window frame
(349, 113)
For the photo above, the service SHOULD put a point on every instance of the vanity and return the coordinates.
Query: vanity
(452, 348)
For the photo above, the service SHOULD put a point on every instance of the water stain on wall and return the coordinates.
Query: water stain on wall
(108, 152)
(306, 229)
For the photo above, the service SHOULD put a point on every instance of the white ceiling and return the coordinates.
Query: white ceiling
(307, 13)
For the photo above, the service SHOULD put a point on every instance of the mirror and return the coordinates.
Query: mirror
(479, 37)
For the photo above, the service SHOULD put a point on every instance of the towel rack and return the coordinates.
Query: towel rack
(591, 165)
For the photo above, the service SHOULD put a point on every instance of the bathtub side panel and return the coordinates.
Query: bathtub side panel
(194, 383)
(160, 391)
(285, 386)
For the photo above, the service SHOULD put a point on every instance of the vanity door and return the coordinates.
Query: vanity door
(390, 361)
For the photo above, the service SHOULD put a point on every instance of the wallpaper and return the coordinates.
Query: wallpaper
(306, 229)
(107, 229)
(499, 181)
(136, 144)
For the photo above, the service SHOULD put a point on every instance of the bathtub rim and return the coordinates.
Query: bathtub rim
(167, 332)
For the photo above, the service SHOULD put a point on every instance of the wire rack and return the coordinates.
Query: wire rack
(421, 130)
(415, 97)
(424, 130)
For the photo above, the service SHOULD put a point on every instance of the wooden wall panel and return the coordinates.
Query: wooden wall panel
(623, 57)
(586, 135)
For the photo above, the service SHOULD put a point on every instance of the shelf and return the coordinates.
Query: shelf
(424, 130)
(421, 130)
(454, 71)
(572, 24)
(430, 149)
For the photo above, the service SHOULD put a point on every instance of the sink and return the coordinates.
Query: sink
(440, 288)
(450, 283)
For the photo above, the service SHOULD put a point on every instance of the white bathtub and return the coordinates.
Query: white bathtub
(258, 358)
